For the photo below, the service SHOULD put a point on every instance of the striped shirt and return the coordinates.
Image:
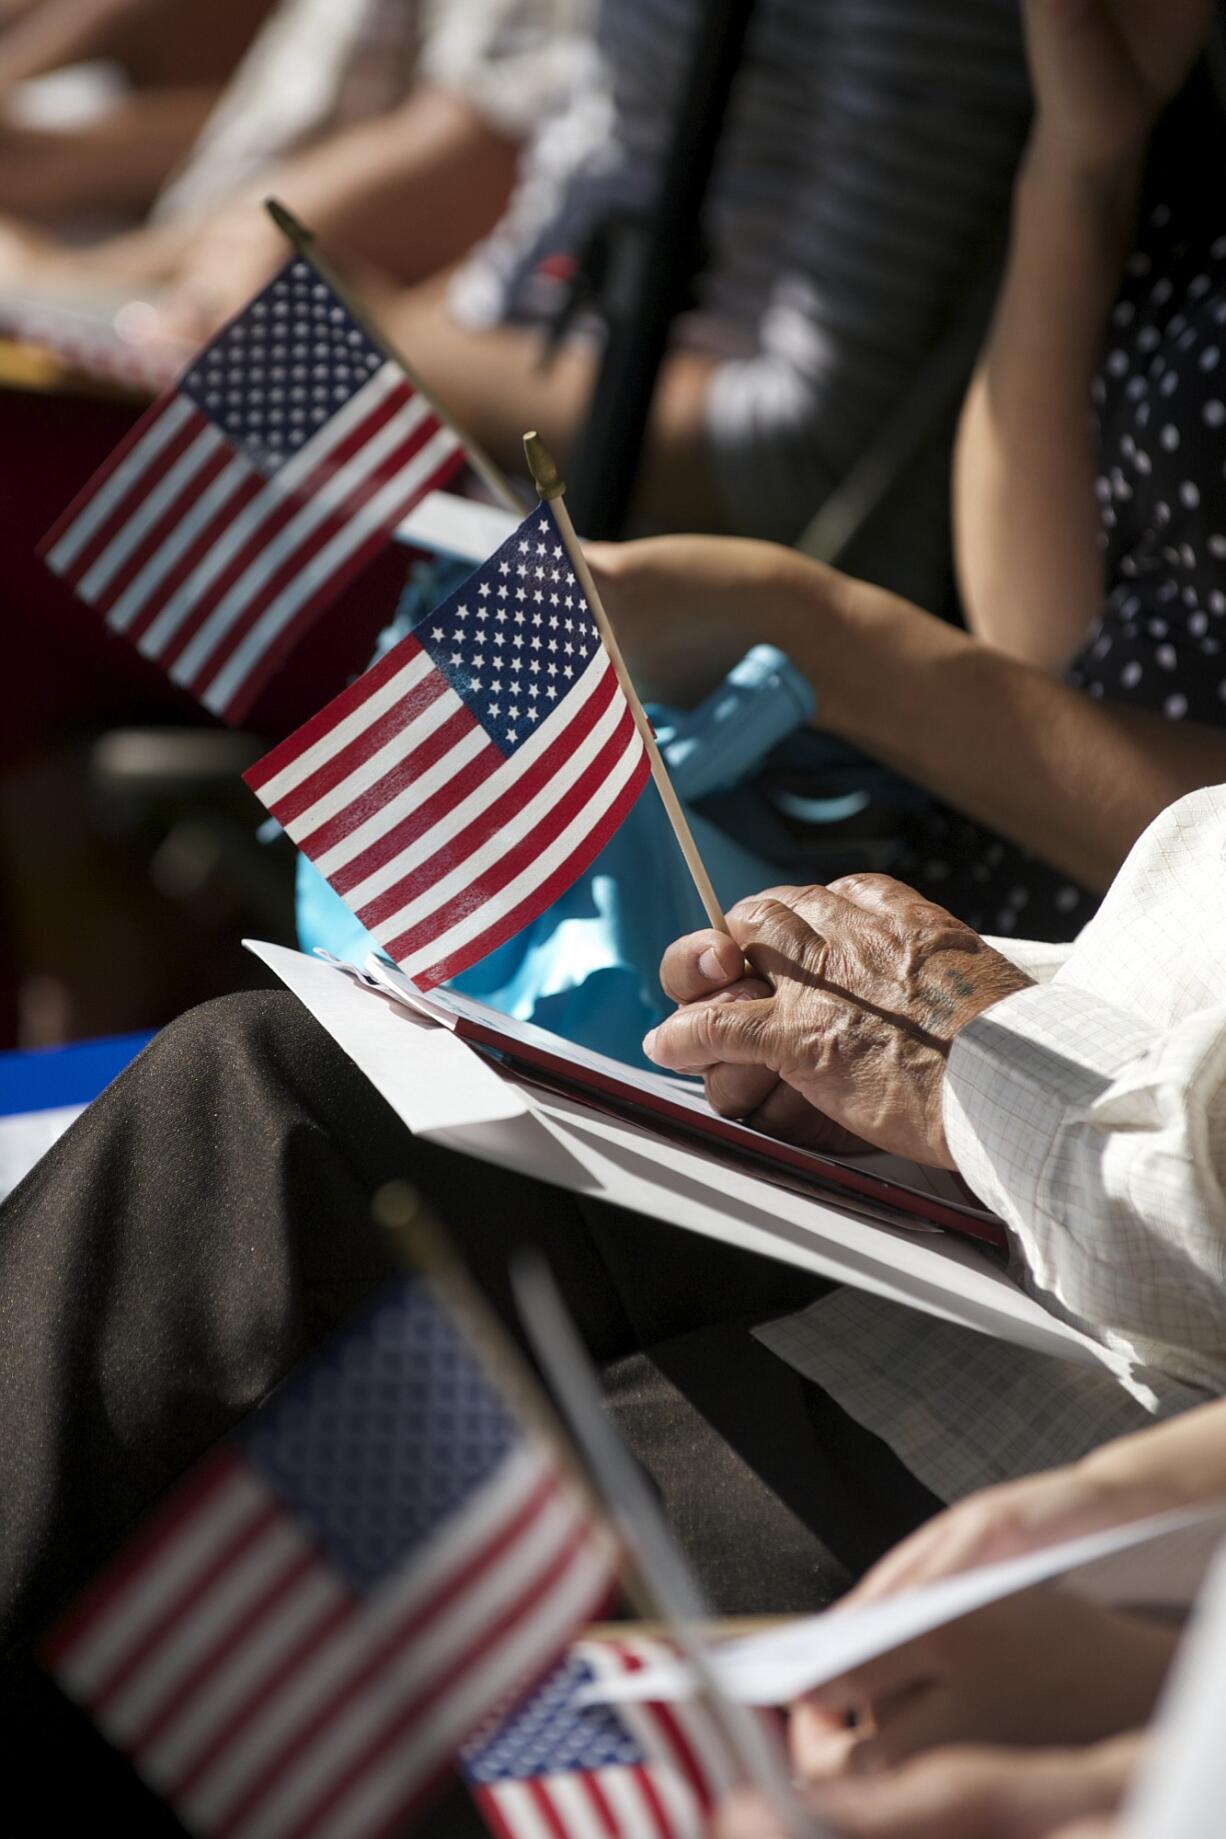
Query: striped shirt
(864, 169)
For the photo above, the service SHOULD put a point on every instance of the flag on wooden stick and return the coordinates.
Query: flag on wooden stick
(314, 1623)
(462, 784)
(253, 490)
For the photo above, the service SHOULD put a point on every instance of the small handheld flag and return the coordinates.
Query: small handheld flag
(555, 1765)
(253, 490)
(320, 1616)
(465, 781)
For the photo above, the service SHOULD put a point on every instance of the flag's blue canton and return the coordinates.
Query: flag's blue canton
(290, 360)
(551, 1734)
(517, 635)
(384, 1435)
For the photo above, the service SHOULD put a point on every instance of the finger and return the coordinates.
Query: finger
(699, 965)
(787, 1114)
(952, 1795)
(776, 938)
(704, 1035)
(882, 894)
(740, 1091)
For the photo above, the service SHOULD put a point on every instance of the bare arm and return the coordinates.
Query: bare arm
(158, 42)
(1023, 476)
(1024, 514)
(1075, 780)
(492, 383)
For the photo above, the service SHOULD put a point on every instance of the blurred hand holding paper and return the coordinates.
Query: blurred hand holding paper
(1158, 1562)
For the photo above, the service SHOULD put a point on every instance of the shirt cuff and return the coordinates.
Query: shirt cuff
(1018, 1073)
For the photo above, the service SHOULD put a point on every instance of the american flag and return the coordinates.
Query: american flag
(556, 1770)
(469, 778)
(321, 1615)
(251, 492)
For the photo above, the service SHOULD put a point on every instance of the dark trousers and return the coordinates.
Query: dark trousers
(209, 1221)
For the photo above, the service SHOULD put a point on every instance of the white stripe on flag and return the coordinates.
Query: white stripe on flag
(354, 725)
(285, 484)
(135, 596)
(383, 509)
(112, 491)
(414, 796)
(403, 1768)
(316, 1594)
(630, 1805)
(155, 1586)
(329, 497)
(694, 1720)
(326, 1670)
(525, 819)
(517, 1805)
(479, 919)
(146, 514)
(226, 1601)
(579, 1815)
(414, 1672)
(434, 716)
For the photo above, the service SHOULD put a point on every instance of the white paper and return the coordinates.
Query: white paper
(1181, 1790)
(1159, 1562)
(449, 525)
(447, 1092)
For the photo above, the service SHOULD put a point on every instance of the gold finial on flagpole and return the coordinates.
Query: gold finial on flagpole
(303, 240)
(551, 487)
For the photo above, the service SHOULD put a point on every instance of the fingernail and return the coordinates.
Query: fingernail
(710, 965)
(649, 1041)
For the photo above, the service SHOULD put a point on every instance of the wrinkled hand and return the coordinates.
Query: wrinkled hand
(969, 1793)
(860, 990)
(1103, 70)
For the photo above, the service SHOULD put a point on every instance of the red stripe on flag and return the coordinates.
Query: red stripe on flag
(491, 1812)
(281, 510)
(394, 1638)
(245, 492)
(165, 527)
(118, 519)
(483, 765)
(263, 598)
(541, 896)
(600, 1806)
(645, 1783)
(489, 820)
(359, 750)
(222, 1558)
(279, 648)
(223, 1647)
(673, 1738)
(471, 1658)
(496, 875)
(347, 703)
(214, 1473)
(547, 1813)
(68, 518)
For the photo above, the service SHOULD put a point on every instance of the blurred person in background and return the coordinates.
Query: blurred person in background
(132, 83)
(1090, 692)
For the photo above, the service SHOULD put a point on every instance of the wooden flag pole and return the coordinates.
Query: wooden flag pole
(304, 242)
(551, 487)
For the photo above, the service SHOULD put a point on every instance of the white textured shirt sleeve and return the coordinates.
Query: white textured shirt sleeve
(1098, 1131)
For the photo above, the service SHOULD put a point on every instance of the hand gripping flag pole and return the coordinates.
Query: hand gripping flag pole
(551, 488)
(303, 241)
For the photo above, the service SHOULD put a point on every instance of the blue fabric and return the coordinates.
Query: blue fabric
(42, 1079)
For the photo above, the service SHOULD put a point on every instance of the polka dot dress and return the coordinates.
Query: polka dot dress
(1160, 640)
